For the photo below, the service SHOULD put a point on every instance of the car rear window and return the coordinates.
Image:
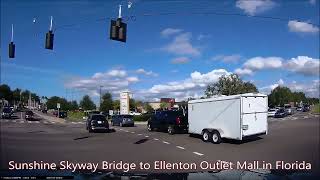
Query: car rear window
(6, 110)
(29, 113)
(98, 117)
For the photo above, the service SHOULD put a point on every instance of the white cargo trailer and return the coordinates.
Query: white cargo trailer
(232, 117)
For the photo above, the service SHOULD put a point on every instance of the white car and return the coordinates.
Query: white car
(272, 112)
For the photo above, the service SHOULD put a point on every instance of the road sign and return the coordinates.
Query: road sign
(58, 105)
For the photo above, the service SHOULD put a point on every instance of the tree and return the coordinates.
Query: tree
(148, 108)
(5, 92)
(106, 103)
(132, 104)
(164, 105)
(52, 103)
(73, 105)
(280, 96)
(230, 85)
(116, 105)
(16, 95)
(87, 104)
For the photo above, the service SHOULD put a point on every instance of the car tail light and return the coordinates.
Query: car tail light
(178, 120)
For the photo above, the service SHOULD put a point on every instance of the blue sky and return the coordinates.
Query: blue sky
(175, 55)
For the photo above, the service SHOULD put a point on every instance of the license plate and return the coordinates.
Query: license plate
(99, 122)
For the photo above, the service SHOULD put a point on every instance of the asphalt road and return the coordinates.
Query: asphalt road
(294, 138)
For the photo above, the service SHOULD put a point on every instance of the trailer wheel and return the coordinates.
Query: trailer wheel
(216, 138)
(206, 136)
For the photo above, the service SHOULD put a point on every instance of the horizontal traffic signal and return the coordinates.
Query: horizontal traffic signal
(12, 48)
(49, 40)
(118, 30)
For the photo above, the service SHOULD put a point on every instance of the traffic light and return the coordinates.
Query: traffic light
(49, 40)
(12, 48)
(118, 30)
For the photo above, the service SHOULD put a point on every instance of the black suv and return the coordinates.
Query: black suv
(97, 122)
(170, 121)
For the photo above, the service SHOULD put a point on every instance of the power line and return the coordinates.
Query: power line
(207, 13)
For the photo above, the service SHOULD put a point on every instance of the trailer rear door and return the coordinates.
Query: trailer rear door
(254, 115)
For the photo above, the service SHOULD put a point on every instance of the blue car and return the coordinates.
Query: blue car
(122, 120)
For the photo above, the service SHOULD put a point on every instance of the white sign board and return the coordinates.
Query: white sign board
(124, 102)
(58, 105)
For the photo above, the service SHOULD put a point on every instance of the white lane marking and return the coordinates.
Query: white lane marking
(165, 142)
(126, 131)
(37, 122)
(156, 139)
(132, 132)
(197, 153)
(14, 121)
(146, 136)
(73, 122)
(121, 129)
(180, 147)
(21, 121)
(53, 122)
(139, 134)
(29, 121)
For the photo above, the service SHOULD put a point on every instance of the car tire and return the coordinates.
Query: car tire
(215, 137)
(90, 129)
(150, 128)
(206, 136)
(170, 130)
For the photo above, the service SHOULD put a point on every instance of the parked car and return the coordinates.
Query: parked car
(272, 112)
(122, 120)
(62, 114)
(280, 113)
(299, 108)
(97, 122)
(29, 115)
(6, 113)
(306, 108)
(170, 121)
(288, 109)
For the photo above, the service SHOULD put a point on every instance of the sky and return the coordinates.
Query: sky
(174, 48)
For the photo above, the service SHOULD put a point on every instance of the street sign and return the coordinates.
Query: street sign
(58, 105)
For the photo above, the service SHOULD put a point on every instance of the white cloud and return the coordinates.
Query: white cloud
(243, 72)
(234, 58)
(147, 73)
(253, 7)
(193, 86)
(304, 65)
(170, 31)
(302, 27)
(313, 2)
(114, 81)
(181, 45)
(203, 36)
(311, 89)
(259, 63)
(180, 60)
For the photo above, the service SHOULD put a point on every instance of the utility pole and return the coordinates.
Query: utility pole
(100, 96)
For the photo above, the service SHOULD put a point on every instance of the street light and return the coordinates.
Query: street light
(100, 96)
